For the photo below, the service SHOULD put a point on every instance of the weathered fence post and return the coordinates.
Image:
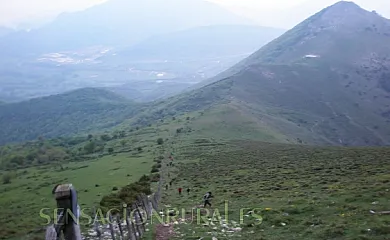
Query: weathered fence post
(66, 197)
(96, 224)
(118, 219)
(111, 227)
(130, 235)
(141, 220)
(135, 218)
(133, 228)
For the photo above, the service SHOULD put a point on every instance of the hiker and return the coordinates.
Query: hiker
(188, 191)
(206, 199)
(166, 187)
(179, 191)
(170, 183)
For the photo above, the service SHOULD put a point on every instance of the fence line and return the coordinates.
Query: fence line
(133, 225)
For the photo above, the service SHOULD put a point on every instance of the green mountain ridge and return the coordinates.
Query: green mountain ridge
(66, 114)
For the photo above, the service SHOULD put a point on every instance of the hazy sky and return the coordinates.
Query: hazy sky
(278, 13)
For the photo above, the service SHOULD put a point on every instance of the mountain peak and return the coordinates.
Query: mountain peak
(345, 5)
(347, 14)
(342, 27)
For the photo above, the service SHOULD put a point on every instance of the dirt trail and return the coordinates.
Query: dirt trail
(164, 231)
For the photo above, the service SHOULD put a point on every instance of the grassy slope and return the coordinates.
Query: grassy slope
(30, 188)
(315, 192)
(308, 188)
(63, 115)
(306, 101)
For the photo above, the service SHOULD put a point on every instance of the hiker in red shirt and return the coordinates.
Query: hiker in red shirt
(179, 191)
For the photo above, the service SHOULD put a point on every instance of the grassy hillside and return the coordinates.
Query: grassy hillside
(310, 192)
(298, 192)
(63, 115)
(97, 166)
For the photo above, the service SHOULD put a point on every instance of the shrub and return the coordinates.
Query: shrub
(160, 141)
(90, 147)
(123, 143)
(105, 137)
(158, 165)
(7, 178)
(155, 177)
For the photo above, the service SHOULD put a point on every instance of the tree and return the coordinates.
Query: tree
(90, 136)
(122, 134)
(123, 143)
(110, 150)
(105, 137)
(160, 141)
(90, 147)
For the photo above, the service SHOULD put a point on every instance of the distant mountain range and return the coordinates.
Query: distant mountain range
(202, 43)
(118, 22)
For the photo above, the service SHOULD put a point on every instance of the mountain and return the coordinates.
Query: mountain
(326, 81)
(119, 22)
(202, 42)
(62, 115)
(149, 91)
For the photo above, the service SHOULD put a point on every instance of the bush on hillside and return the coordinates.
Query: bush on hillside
(110, 150)
(7, 178)
(127, 194)
(160, 141)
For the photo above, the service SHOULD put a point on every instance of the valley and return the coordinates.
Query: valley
(184, 58)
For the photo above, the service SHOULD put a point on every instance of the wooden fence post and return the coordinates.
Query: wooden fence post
(96, 224)
(141, 220)
(131, 234)
(118, 219)
(134, 229)
(136, 221)
(111, 227)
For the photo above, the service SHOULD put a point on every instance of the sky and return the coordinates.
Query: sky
(275, 13)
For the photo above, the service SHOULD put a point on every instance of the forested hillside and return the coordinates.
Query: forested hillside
(76, 112)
